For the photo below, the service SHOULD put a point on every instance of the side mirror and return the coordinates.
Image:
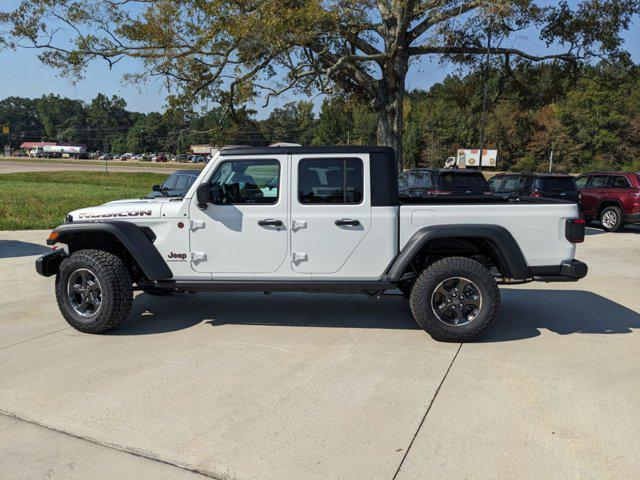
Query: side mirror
(203, 195)
(156, 188)
(218, 195)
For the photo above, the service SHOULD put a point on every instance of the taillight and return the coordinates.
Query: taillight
(536, 195)
(574, 230)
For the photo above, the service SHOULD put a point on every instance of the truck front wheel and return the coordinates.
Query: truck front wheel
(455, 299)
(94, 290)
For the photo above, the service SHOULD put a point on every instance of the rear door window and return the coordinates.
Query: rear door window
(330, 180)
(512, 183)
(559, 184)
(599, 181)
(463, 181)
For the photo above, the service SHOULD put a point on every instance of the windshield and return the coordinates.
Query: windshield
(176, 185)
(557, 183)
(463, 181)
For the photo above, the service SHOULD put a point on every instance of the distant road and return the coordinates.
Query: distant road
(25, 166)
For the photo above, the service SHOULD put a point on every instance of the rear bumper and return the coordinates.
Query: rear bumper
(48, 264)
(569, 271)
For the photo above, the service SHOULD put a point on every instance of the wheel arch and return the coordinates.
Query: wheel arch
(493, 241)
(115, 236)
(611, 202)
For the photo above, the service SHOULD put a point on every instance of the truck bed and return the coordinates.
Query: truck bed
(537, 225)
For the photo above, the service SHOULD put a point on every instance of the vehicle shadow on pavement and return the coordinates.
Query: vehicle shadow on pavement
(16, 248)
(178, 312)
(525, 312)
(523, 315)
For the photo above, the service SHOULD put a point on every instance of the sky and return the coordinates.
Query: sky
(24, 75)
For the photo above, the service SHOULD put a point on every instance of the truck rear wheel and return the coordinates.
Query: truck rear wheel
(94, 291)
(455, 299)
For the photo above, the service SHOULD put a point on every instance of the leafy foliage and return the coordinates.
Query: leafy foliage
(232, 51)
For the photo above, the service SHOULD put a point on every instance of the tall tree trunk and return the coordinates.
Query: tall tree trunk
(389, 110)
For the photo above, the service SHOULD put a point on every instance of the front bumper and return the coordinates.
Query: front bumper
(48, 264)
(569, 271)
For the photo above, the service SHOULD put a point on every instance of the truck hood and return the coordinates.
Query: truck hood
(132, 208)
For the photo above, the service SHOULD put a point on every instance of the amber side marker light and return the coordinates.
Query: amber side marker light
(53, 236)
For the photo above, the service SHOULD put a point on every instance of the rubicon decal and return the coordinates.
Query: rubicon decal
(134, 213)
(177, 257)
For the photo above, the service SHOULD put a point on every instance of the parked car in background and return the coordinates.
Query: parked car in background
(176, 185)
(611, 198)
(536, 185)
(427, 182)
(161, 157)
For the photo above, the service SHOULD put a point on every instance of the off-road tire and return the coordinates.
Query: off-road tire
(116, 290)
(617, 213)
(434, 275)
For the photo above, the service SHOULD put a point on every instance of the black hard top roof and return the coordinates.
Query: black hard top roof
(301, 150)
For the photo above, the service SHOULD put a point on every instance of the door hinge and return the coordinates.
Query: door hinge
(197, 257)
(298, 225)
(196, 225)
(299, 257)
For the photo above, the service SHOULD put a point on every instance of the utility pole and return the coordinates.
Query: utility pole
(551, 161)
(485, 93)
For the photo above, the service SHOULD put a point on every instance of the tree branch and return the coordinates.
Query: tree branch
(462, 50)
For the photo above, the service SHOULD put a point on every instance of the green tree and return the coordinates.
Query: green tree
(334, 124)
(21, 116)
(108, 120)
(235, 49)
(292, 123)
(63, 119)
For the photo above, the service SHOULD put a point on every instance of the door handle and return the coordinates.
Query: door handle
(269, 222)
(347, 222)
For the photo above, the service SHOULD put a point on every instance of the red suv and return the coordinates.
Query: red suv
(612, 198)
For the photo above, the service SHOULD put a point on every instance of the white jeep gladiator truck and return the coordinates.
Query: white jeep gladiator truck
(314, 219)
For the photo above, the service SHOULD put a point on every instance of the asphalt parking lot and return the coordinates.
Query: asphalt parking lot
(248, 386)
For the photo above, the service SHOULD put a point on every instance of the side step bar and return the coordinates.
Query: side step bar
(277, 286)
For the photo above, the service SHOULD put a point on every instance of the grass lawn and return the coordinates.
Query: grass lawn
(40, 200)
(114, 163)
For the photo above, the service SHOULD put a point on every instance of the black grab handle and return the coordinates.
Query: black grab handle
(270, 223)
(347, 222)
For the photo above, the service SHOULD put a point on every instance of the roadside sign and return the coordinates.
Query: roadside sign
(5, 130)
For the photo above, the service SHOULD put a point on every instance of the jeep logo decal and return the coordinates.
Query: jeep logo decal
(177, 257)
(134, 213)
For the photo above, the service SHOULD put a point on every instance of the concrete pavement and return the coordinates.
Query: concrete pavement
(247, 386)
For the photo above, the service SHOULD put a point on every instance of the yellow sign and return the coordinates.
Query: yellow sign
(5, 130)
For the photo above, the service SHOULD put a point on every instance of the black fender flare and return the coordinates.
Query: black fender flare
(499, 238)
(131, 236)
